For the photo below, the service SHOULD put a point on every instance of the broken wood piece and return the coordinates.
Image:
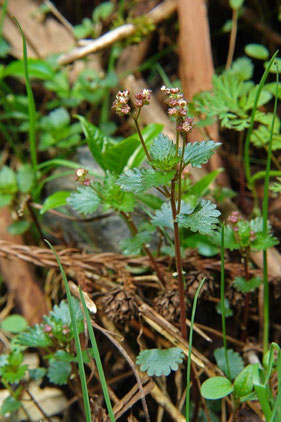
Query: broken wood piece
(156, 15)
(196, 65)
(42, 39)
(19, 277)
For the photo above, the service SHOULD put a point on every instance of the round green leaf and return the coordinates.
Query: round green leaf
(216, 388)
(236, 4)
(14, 324)
(257, 51)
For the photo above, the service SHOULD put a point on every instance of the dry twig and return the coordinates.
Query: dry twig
(156, 15)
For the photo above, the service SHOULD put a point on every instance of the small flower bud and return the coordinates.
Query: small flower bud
(120, 105)
(47, 328)
(80, 176)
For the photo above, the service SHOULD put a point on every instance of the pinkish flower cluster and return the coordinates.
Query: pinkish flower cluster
(120, 105)
(143, 97)
(80, 176)
(233, 219)
(177, 107)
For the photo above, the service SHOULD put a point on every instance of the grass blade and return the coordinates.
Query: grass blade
(187, 400)
(265, 226)
(97, 358)
(252, 121)
(222, 302)
(31, 108)
(77, 340)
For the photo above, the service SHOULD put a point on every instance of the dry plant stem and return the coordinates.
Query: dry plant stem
(35, 221)
(131, 364)
(178, 263)
(154, 264)
(232, 39)
(156, 15)
(70, 217)
(38, 406)
(60, 17)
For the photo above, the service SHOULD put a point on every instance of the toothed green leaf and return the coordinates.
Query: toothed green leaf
(85, 200)
(138, 180)
(133, 245)
(34, 337)
(164, 217)
(160, 362)
(37, 373)
(61, 312)
(198, 153)
(114, 197)
(163, 153)
(203, 219)
(245, 286)
(58, 371)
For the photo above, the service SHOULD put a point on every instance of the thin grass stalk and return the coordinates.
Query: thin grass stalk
(55, 162)
(77, 341)
(252, 121)
(265, 227)
(222, 302)
(97, 358)
(277, 405)
(261, 175)
(31, 108)
(187, 400)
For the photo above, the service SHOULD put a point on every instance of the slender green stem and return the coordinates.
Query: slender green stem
(222, 302)
(77, 340)
(96, 353)
(31, 108)
(261, 174)
(55, 162)
(187, 400)
(265, 227)
(252, 121)
(141, 137)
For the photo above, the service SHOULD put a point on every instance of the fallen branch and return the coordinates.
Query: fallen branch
(156, 15)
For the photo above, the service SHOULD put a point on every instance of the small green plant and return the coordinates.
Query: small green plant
(166, 162)
(250, 383)
(54, 338)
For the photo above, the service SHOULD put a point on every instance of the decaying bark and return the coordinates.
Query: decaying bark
(20, 278)
(196, 64)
